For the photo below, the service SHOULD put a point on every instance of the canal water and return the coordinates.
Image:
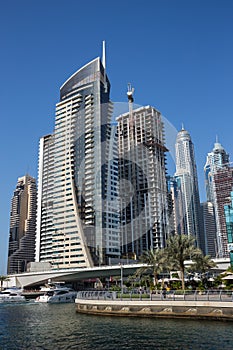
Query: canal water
(35, 326)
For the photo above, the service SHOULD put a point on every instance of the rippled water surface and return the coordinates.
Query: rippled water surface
(54, 327)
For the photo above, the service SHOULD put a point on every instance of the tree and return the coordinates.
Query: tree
(180, 248)
(2, 279)
(155, 262)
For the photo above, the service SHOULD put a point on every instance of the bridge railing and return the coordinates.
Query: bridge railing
(187, 295)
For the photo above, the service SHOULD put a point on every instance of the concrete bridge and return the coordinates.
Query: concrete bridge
(37, 278)
(33, 279)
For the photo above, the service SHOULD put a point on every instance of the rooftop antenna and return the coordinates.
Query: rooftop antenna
(104, 55)
(182, 126)
(104, 65)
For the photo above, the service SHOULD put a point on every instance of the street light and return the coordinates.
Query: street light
(121, 266)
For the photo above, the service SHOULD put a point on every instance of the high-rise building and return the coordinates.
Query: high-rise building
(44, 227)
(175, 210)
(222, 186)
(215, 160)
(142, 175)
(74, 214)
(186, 176)
(22, 225)
(228, 209)
(218, 183)
(209, 229)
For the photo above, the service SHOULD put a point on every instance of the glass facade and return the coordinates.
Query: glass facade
(228, 209)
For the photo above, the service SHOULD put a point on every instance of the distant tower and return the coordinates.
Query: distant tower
(216, 159)
(228, 209)
(22, 225)
(142, 174)
(173, 205)
(218, 183)
(222, 186)
(186, 176)
(209, 228)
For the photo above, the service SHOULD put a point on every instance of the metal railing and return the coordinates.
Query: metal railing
(187, 295)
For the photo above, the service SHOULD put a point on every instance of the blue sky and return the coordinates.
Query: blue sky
(178, 55)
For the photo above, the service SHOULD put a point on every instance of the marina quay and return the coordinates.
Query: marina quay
(213, 305)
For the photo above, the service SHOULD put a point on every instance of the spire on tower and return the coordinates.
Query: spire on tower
(104, 55)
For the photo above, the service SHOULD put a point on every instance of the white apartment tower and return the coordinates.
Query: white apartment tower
(45, 247)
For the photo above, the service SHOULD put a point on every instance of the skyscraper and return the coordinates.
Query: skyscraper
(186, 175)
(73, 220)
(22, 225)
(228, 209)
(142, 174)
(215, 160)
(175, 213)
(209, 229)
(44, 227)
(218, 183)
(222, 185)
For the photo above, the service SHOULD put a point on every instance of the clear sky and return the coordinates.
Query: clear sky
(178, 55)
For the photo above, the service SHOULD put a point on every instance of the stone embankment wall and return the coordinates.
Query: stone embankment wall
(163, 308)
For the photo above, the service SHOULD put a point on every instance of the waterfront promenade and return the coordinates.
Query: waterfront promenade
(216, 305)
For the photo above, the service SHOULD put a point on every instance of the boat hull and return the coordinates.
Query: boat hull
(56, 299)
(12, 300)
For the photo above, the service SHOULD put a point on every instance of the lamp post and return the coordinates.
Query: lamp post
(121, 266)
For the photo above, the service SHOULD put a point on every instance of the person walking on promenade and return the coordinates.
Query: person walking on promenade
(164, 292)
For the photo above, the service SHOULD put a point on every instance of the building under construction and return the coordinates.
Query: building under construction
(142, 174)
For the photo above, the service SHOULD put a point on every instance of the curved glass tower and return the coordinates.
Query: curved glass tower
(77, 217)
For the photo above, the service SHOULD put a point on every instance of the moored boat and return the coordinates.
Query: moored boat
(56, 293)
(12, 295)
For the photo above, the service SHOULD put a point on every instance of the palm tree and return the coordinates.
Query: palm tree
(155, 262)
(180, 248)
(2, 279)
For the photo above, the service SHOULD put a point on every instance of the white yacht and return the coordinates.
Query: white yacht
(12, 295)
(56, 293)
